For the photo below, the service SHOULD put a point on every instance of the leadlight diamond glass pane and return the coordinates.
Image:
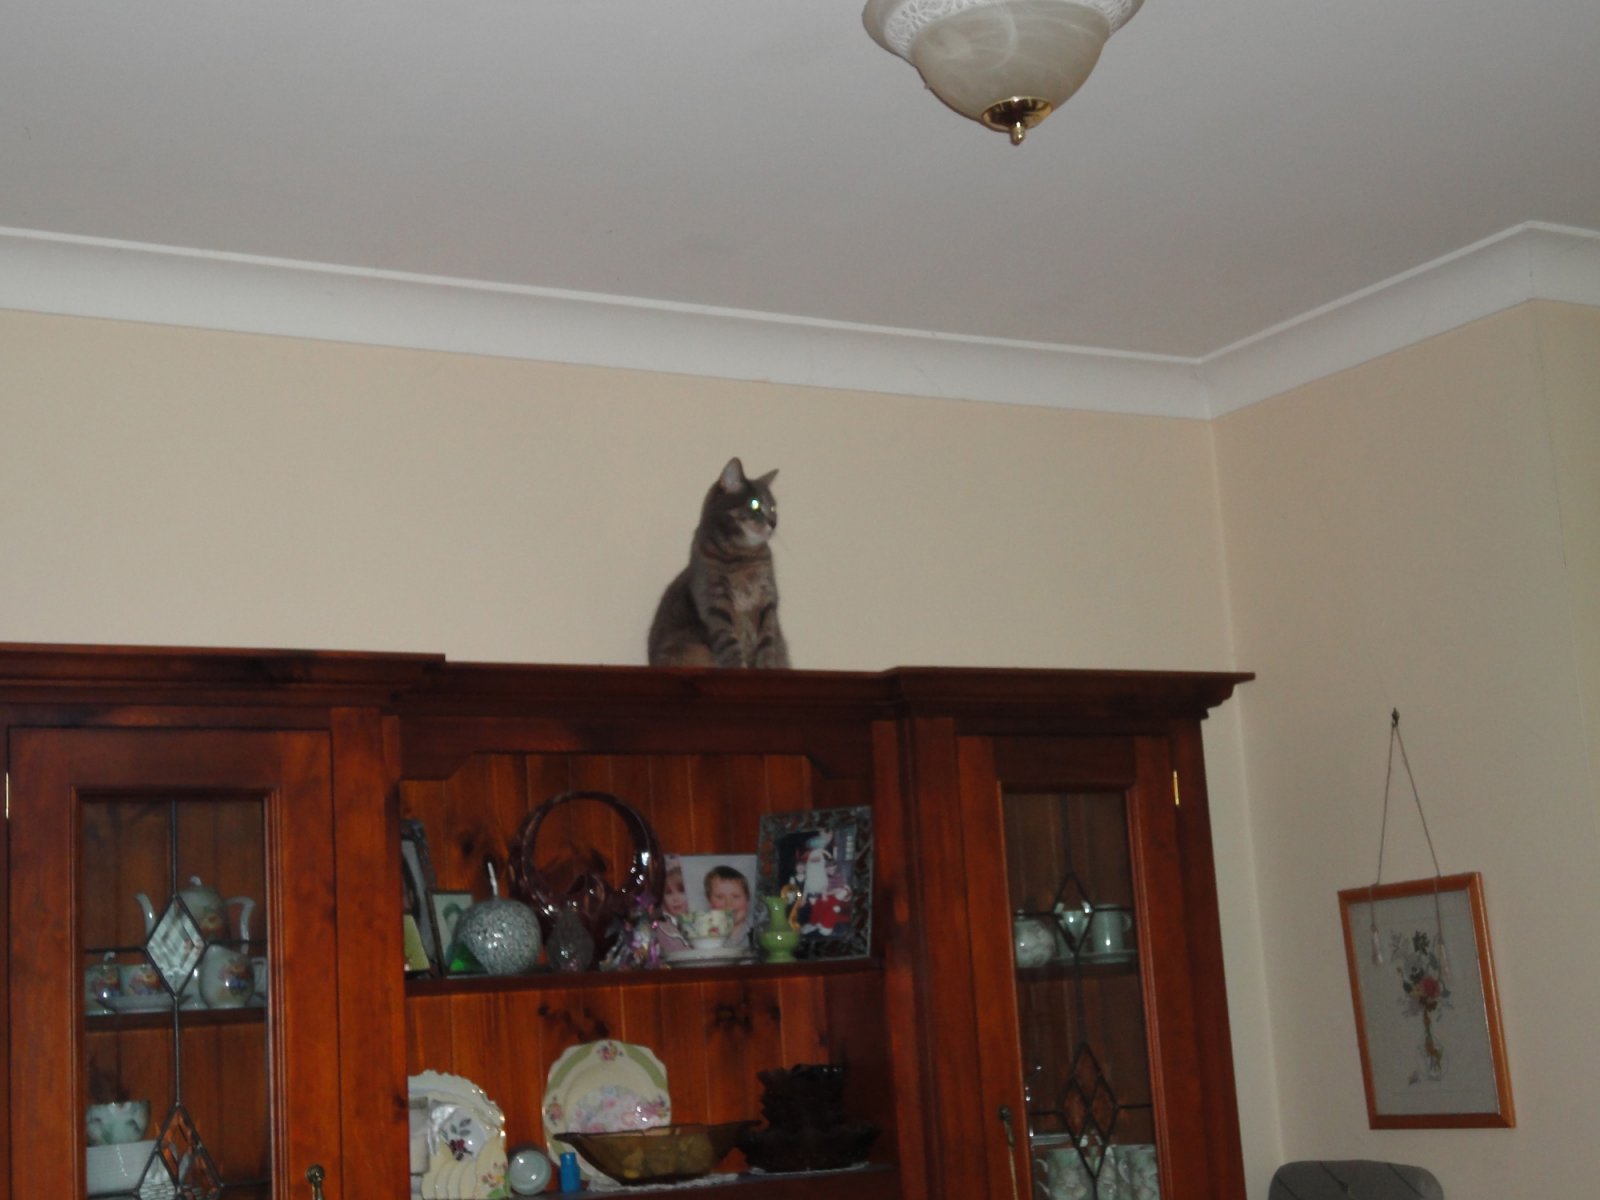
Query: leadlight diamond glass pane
(175, 945)
(182, 1158)
(1088, 1107)
(156, 1184)
(1073, 909)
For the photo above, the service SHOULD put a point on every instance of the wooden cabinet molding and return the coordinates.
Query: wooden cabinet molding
(925, 747)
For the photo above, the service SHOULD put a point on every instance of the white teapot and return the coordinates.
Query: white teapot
(205, 905)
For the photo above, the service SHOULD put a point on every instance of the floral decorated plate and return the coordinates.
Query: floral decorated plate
(603, 1087)
(457, 1139)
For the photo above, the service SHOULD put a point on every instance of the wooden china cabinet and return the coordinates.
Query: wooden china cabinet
(1099, 1057)
(1042, 991)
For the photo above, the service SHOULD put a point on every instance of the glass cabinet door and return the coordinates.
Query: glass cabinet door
(1075, 902)
(175, 1017)
(1080, 1016)
(153, 908)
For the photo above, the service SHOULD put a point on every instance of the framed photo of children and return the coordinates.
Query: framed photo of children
(820, 862)
(698, 883)
(1427, 1011)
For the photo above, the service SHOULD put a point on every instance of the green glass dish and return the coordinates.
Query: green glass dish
(662, 1154)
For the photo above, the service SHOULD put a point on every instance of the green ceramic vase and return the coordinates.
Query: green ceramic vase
(778, 939)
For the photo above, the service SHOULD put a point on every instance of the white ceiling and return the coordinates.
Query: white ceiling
(1229, 166)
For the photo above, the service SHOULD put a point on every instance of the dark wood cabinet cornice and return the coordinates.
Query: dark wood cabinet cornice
(429, 685)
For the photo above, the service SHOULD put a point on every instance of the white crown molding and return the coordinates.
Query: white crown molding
(92, 277)
(1533, 261)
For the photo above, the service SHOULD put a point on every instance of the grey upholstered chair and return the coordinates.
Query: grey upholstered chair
(1353, 1179)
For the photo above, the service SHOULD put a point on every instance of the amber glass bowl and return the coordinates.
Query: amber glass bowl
(659, 1155)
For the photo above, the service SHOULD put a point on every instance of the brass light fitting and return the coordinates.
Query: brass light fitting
(1016, 116)
(1007, 64)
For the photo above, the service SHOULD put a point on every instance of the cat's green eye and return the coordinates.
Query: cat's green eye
(755, 503)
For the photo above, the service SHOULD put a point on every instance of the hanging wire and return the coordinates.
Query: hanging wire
(1395, 739)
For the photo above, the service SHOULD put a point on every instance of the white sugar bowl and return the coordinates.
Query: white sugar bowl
(1033, 940)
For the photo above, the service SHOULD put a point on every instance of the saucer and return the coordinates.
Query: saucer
(715, 954)
(1110, 957)
(138, 1004)
(117, 1170)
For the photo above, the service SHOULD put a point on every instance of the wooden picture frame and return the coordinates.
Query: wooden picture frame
(447, 909)
(820, 862)
(1426, 1007)
(416, 877)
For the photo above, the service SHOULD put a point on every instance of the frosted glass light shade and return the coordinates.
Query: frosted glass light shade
(1005, 63)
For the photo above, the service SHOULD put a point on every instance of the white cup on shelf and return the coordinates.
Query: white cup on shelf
(1108, 932)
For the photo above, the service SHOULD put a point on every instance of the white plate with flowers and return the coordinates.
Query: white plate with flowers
(458, 1149)
(603, 1087)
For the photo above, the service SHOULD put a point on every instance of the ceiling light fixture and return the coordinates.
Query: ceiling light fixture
(1006, 63)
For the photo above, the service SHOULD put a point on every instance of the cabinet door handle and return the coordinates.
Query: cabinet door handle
(1011, 1147)
(314, 1176)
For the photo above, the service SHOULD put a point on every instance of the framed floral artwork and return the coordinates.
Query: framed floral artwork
(1427, 1013)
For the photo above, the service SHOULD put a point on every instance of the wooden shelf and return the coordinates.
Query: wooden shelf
(857, 1183)
(250, 1014)
(1084, 968)
(547, 980)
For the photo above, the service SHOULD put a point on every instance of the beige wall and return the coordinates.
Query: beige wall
(1569, 346)
(1420, 532)
(183, 487)
(167, 485)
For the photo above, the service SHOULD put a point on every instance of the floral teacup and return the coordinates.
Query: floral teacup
(708, 928)
(101, 981)
(142, 979)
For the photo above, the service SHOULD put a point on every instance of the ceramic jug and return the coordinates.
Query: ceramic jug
(1108, 932)
(226, 977)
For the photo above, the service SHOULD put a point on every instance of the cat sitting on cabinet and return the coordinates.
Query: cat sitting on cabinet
(722, 609)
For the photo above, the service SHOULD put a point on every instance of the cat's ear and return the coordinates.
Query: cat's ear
(766, 480)
(733, 476)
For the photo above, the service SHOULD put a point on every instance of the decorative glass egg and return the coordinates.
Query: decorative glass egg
(503, 935)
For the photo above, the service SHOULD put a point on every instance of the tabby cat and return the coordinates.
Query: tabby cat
(722, 609)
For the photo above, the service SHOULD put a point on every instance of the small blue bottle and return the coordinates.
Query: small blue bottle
(570, 1181)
